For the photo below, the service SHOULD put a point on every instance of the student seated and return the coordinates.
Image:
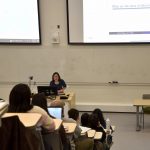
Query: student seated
(20, 101)
(100, 115)
(58, 103)
(81, 143)
(94, 124)
(41, 101)
(58, 82)
(85, 119)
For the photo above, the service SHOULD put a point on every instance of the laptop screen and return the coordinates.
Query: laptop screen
(55, 111)
(47, 90)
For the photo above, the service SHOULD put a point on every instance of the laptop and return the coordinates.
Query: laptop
(55, 112)
(47, 90)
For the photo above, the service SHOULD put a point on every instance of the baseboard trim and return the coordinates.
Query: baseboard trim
(106, 107)
(113, 112)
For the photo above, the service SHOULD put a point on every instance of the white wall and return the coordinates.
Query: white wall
(113, 98)
(75, 63)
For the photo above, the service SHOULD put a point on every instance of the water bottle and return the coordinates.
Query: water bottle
(108, 124)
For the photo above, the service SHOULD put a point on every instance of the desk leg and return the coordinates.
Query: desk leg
(138, 127)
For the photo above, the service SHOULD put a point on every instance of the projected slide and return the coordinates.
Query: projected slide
(19, 21)
(112, 21)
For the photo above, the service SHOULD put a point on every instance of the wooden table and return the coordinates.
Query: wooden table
(28, 119)
(69, 127)
(139, 103)
(58, 122)
(91, 133)
(70, 100)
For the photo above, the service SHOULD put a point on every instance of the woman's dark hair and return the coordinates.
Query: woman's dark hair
(100, 116)
(19, 98)
(85, 119)
(94, 124)
(93, 121)
(59, 78)
(73, 113)
(40, 100)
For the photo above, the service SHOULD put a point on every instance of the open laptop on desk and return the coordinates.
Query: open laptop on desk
(55, 112)
(47, 90)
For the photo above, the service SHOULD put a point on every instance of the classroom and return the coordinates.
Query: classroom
(108, 76)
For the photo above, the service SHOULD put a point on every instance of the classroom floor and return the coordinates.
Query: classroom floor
(125, 136)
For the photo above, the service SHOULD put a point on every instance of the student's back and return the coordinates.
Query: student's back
(85, 119)
(20, 101)
(41, 101)
(94, 124)
(100, 117)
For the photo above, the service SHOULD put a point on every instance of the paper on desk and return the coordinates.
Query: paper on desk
(84, 129)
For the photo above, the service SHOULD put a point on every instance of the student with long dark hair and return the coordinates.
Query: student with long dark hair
(94, 124)
(20, 101)
(41, 101)
(100, 117)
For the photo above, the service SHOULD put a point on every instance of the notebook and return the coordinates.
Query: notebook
(47, 90)
(55, 111)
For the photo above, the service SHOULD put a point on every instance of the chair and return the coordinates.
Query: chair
(15, 136)
(145, 109)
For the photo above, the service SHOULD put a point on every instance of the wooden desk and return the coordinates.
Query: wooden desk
(98, 135)
(58, 122)
(139, 103)
(69, 127)
(91, 133)
(28, 119)
(70, 100)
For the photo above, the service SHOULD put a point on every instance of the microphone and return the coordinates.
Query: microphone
(30, 81)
